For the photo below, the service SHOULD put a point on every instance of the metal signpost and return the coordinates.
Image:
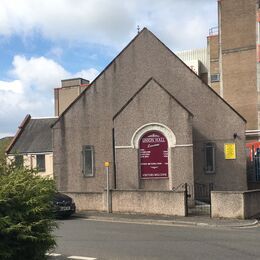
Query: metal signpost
(107, 173)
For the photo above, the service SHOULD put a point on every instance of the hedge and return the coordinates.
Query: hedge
(26, 216)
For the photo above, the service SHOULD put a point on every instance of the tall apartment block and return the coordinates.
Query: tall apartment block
(197, 60)
(234, 59)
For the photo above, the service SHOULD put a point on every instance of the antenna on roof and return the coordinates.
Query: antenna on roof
(138, 28)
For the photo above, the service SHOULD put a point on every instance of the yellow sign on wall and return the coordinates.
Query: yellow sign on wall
(230, 151)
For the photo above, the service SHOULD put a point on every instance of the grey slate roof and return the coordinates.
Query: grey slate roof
(36, 137)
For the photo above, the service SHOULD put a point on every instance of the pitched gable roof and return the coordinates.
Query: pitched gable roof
(139, 90)
(124, 49)
(84, 91)
(34, 136)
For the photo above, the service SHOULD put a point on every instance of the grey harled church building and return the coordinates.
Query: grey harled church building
(157, 124)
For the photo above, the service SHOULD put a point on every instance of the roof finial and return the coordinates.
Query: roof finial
(138, 28)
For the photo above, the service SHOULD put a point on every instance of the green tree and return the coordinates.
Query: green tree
(4, 143)
(26, 217)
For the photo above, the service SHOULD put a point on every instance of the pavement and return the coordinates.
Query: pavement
(201, 220)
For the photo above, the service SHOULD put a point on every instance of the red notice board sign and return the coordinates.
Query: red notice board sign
(153, 155)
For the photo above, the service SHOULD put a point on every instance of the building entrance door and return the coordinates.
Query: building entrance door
(153, 156)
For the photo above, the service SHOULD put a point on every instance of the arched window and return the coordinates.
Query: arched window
(166, 131)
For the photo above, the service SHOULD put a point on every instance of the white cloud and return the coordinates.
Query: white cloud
(109, 22)
(41, 73)
(31, 90)
(14, 86)
(67, 19)
(56, 52)
(180, 24)
(87, 74)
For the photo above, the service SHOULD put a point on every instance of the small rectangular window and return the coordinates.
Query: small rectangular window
(88, 160)
(40, 162)
(215, 78)
(18, 160)
(210, 158)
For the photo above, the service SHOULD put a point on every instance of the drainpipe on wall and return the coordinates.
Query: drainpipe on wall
(258, 63)
(114, 156)
(221, 87)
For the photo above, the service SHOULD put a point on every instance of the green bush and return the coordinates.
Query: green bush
(4, 143)
(26, 217)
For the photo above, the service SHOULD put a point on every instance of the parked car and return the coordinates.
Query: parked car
(64, 206)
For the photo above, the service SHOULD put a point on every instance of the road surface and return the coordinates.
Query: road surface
(88, 239)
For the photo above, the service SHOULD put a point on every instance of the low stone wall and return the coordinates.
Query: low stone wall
(148, 202)
(132, 201)
(88, 200)
(235, 204)
(227, 204)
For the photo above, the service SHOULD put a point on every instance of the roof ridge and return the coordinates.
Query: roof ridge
(141, 88)
(44, 117)
(19, 132)
(122, 51)
(90, 85)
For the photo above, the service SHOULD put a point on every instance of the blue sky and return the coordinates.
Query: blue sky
(44, 41)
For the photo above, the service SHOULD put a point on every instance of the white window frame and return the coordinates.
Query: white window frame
(87, 148)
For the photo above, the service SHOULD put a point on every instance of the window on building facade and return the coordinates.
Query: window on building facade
(40, 162)
(215, 78)
(18, 160)
(88, 160)
(210, 154)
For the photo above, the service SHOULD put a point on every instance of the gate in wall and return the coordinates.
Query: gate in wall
(202, 199)
(198, 198)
